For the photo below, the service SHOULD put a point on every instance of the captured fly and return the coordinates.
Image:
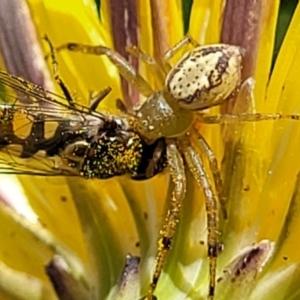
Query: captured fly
(52, 137)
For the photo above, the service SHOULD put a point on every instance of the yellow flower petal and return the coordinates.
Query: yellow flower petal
(205, 21)
(77, 21)
(260, 167)
(265, 53)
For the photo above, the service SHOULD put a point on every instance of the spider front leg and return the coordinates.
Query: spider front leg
(125, 69)
(197, 169)
(156, 69)
(177, 172)
(137, 52)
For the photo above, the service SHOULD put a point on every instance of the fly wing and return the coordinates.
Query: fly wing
(13, 88)
(11, 163)
(32, 137)
(31, 141)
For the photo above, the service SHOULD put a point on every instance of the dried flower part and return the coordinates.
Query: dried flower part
(239, 276)
(128, 286)
(124, 29)
(65, 284)
(19, 44)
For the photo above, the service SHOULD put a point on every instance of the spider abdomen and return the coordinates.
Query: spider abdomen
(205, 76)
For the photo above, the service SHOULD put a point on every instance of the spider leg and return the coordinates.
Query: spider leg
(137, 52)
(213, 163)
(244, 117)
(177, 172)
(175, 49)
(156, 69)
(57, 78)
(123, 66)
(197, 169)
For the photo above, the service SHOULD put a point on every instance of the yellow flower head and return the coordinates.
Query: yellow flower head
(86, 230)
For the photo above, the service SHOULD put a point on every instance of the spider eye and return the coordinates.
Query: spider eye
(205, 76)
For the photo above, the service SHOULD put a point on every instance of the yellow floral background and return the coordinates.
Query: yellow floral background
(93, 225)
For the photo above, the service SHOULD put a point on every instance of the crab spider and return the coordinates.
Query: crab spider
(204, 77)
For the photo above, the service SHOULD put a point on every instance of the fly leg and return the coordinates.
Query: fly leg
(95, 99)
(57, 78)
(150, 171)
